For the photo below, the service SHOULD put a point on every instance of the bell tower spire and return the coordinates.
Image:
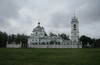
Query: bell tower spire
(75, 29)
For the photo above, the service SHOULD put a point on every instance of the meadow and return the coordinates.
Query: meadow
(31, 56)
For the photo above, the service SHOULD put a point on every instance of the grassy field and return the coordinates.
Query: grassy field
(27, 56)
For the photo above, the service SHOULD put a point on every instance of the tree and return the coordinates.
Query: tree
(84, 39)
(64, 36)
(11, 38)
(24, 39)
(52, 34)
(18, 38)
(3, 39)
(45, 34)
(96, 43)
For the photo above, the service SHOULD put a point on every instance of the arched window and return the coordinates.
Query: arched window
(74, 29)
(36, 32)
(74, 40)
(39, 39)
(74, 33)
(32, 39)
(74, 26)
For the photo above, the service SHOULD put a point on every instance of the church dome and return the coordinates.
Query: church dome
(38, 28)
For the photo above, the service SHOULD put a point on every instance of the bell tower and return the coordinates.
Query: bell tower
(74, 29)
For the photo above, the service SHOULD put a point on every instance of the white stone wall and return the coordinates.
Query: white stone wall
(37, 40)
(54, 46)
(13, 45)
(63, 44)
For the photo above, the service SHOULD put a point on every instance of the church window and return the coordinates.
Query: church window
(74, 26)
(39, 39)
(74, 29)
(58, 42)
(33, 40)
(74, 33)
(75, 40)
(36, 32)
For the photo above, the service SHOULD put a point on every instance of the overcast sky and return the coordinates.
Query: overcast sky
(21, 16)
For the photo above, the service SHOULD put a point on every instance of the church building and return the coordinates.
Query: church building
(39, 39)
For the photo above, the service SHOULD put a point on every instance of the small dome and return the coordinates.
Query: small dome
(38, 28)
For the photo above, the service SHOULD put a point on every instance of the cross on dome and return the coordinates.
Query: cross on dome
(38, 23)
(74, 17)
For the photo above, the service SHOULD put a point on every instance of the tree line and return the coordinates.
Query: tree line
(93, 42)
(63, 35)
(8, 39)
(22, 38)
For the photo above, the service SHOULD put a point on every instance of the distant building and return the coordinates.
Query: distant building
(38, 38)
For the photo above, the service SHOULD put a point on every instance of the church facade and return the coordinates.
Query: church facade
(39, 39)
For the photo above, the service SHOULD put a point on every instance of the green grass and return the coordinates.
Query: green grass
(27, 56)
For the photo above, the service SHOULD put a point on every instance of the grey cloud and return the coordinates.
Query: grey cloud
(88, 12)
(60, 19)
(8, 9)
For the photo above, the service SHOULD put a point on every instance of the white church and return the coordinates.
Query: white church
(39, 39)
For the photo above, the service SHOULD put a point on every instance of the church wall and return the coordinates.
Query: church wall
(38, 39)
(13, 45)
(54, 46)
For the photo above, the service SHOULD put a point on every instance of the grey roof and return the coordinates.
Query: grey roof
(38, 28)
(50, 37)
